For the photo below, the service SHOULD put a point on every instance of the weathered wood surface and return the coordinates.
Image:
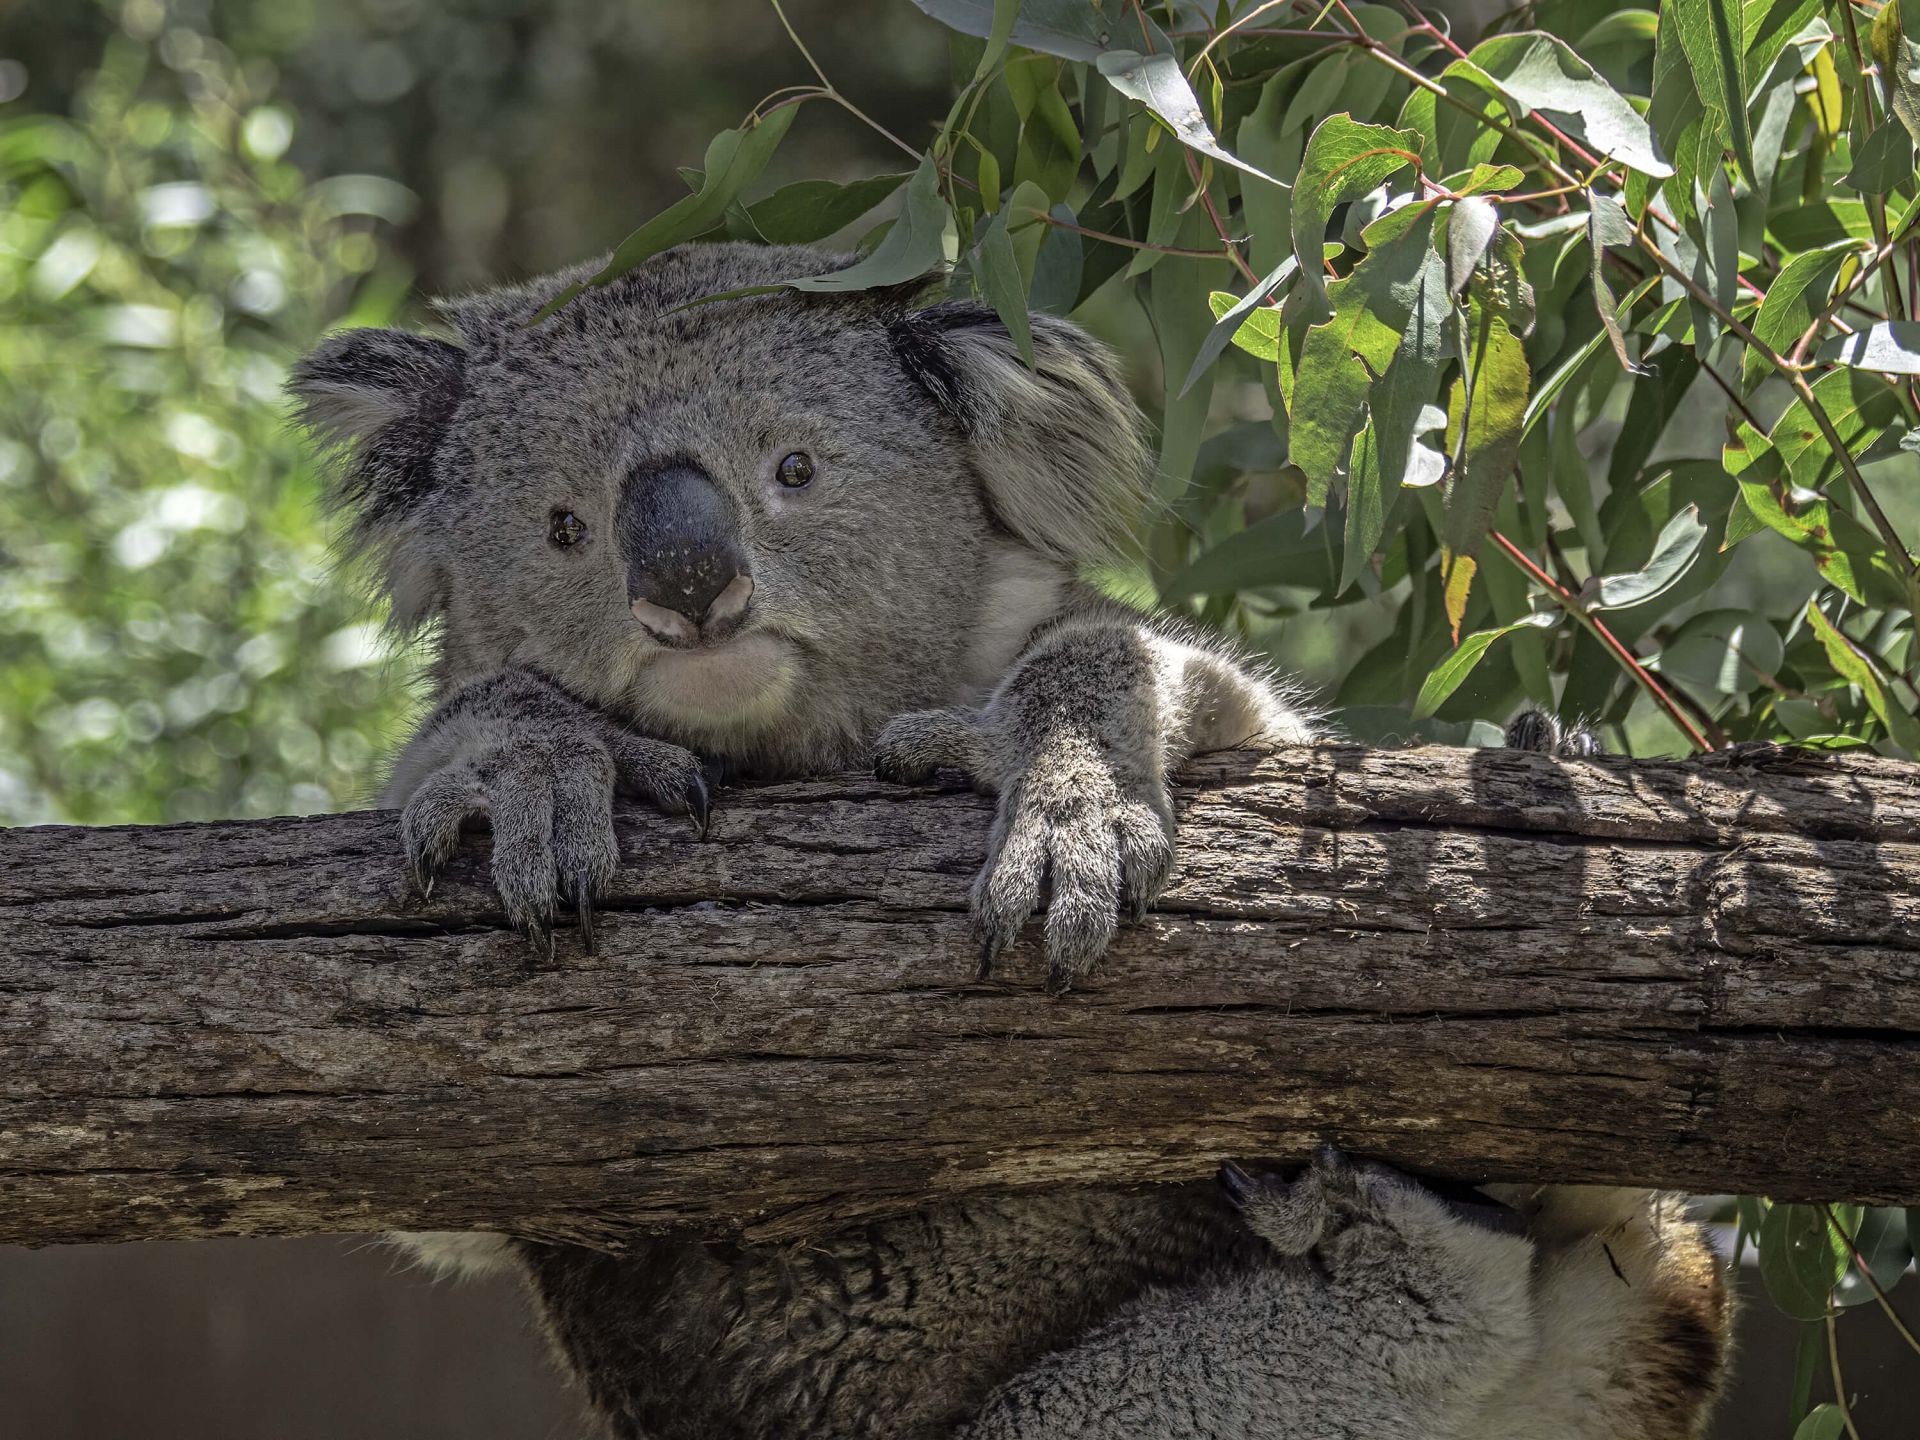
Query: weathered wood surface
(1474, 962)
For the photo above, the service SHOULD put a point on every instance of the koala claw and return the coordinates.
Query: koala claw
(583, 909)
(699, 805)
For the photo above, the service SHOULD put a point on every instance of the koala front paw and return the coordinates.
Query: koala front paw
(1335, 1193)
(1068, 822)
(547, 792)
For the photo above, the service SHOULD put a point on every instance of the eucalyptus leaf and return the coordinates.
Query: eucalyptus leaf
(1712, 33)
(1802, 1258)
(997, 271)
(1158, 83)
(1539, 72)
(915, 246)
(811, 210)
(1890, 347)
(1673, 553)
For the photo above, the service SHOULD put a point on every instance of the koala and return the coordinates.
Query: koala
(1383, 1308)
(787, 533)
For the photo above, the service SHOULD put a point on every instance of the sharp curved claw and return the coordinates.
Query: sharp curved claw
(583, 906)
(540, 937)
(700, 806)
(989, 952)
(1238, 1184)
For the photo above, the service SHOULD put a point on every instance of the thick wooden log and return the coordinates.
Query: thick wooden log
(1472, 962)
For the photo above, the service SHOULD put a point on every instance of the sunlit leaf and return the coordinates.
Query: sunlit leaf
(1891, 347)
(1344, 160)
(1158, 82)
(1853, 666)
(1539, 72)
(1449, 674)
(1713, 37)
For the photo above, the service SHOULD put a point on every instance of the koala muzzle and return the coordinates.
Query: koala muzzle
(688, 580)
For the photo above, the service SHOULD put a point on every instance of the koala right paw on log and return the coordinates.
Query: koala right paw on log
(542, 768)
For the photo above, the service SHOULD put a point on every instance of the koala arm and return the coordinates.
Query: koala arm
(1077, 741)
(542, 766)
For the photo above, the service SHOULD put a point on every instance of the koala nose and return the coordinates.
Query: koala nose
(688, 581)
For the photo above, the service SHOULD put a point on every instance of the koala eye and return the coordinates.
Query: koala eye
(566, 528)
(795, 470)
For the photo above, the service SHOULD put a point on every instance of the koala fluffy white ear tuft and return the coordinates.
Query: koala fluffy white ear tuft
(384, 397)
(1059, 447)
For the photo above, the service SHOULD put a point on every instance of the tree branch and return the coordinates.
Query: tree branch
(1472, 962)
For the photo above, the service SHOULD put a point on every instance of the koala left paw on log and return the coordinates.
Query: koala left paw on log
(1095, 834)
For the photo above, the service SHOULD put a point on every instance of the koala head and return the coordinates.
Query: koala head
(757, 526)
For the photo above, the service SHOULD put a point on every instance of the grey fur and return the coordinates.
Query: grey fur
(919, 604)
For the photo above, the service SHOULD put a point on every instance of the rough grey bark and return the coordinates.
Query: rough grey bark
(1474, 962)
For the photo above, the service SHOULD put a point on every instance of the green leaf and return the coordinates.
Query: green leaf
(1882, 1242)
(1673, 554)
(915, 246)
(1797, 294)
(1493, 413)
(1255, 328)
(1259, 335)
(1005, 13)
(1801, 1259)
(810, 210)
(1620, 27)
(1538, 72)
(1484, 177)
(998, 273)
(1372, 309)
(1890, 347)
(1607, 224)
(1712, 35)
(1446, 677)
(1884, 161)
(1158, 83)
(1854, 667)
(1471, 226)
(1344, 160)
(1266, 553)
(1071, 29)
(1823, 1422)
(1398, 413)
(734, 161)
(1723, 650)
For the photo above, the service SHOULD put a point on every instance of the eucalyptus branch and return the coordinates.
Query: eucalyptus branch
(1865, 1272)
(831, 93)
(1796, 378)
(1833, 1355)
(1570, 603)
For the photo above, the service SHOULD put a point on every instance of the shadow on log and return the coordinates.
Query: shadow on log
(1474, 962)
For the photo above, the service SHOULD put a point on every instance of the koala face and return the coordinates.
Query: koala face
(759, 527)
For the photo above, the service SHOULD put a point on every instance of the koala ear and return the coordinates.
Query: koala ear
(1058, 447)
(383, 397)
(381, 401)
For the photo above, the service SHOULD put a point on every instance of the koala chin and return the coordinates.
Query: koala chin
(743, 685)
(790, 533)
